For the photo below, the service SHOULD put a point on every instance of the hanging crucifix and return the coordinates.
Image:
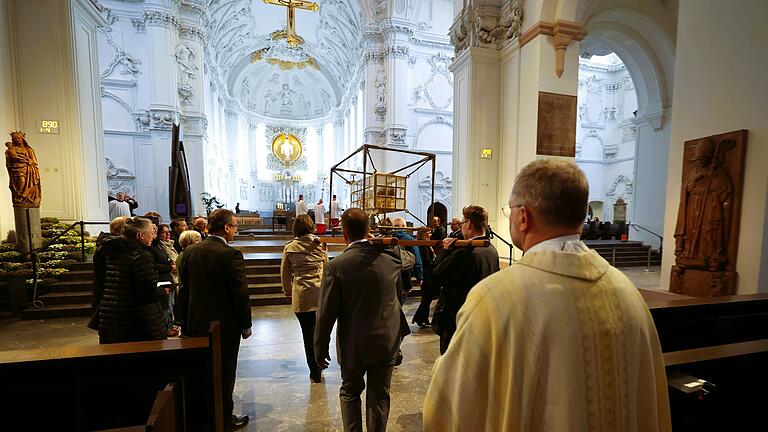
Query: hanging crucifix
(290, 28)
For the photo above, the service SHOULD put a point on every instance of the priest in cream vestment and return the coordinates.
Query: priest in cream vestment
(560, 340)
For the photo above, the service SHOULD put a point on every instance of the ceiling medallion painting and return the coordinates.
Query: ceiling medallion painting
(286, 48)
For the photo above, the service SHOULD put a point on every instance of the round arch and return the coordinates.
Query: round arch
(644, 48)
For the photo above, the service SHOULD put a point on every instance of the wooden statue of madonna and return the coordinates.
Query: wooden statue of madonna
(24, 176)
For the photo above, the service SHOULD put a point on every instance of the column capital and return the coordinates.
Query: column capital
(487, 25)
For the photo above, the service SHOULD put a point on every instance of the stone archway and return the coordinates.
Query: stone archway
(647, 52)
(440, 210)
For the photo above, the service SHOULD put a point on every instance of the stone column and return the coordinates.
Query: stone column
(230, 132)
(375, 88)
(321, 167)
(501, 74)
(476, 126)
(190, 90)
(339, 153)
(397, 34)
(162, 24)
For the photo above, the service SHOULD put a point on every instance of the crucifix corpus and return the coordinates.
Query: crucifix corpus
(290, 28)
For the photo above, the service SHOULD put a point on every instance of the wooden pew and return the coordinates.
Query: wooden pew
(164, 416)
(722, 341)
(99, 387)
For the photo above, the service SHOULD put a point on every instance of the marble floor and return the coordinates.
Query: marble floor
(273, 385)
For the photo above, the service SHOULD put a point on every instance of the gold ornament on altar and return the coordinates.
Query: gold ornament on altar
(286, 48)
(286, 148)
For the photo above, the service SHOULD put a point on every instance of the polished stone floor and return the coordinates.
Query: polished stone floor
(273, 385)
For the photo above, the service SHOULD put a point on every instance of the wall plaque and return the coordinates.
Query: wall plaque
(709, 215)
(556, 129)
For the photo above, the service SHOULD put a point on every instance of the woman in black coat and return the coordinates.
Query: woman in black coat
(164, 266)
(130, 309)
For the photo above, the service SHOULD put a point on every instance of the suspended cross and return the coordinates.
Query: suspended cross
(292, 5)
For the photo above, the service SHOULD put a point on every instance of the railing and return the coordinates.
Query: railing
(661, 238)
(492, 234)
(34, 252)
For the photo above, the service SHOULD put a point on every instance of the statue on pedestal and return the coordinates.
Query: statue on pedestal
(23, 172)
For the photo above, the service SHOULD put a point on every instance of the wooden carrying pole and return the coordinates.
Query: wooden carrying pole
(392, 241)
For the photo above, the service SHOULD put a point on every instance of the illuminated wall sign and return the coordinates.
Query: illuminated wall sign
(49, 127)
(486, 153)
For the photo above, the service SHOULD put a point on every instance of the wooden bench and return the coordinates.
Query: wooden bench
(100, 387)
(164, 417)
(715, 352)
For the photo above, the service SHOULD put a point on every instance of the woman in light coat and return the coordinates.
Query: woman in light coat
(301, 274)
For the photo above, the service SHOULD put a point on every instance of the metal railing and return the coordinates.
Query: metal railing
(661, 238)
(492, 234)
(36, 303)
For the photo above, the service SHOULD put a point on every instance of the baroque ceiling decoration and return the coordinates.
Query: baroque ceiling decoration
(286, 49)
(240, 33)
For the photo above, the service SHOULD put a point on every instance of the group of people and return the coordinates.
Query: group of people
(153, 281)
(121, 205)
(559, 340)
(318, 213)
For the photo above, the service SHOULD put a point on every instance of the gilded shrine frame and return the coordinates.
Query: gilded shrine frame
(374, 174)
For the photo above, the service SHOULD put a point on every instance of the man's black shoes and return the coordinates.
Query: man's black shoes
(238, 422)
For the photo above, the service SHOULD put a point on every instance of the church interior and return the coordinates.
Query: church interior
(411, 109)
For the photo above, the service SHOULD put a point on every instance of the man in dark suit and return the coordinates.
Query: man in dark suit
(214, 288)
(438, 231)
(456, 229)
(458, 270)
(178, 226)
(359, 289)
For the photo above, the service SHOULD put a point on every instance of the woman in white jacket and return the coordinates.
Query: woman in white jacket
(301, 275)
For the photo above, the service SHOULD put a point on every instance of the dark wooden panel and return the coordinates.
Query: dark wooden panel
(111, 386)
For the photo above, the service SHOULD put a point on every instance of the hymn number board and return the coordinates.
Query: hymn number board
(49, 127)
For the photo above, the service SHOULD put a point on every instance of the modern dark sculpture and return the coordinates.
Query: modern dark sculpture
(178, 182)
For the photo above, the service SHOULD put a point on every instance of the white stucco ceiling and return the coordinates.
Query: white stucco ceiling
(333, 36)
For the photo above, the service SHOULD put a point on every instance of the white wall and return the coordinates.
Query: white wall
(55, 79)
(721, 55)
(8, 116)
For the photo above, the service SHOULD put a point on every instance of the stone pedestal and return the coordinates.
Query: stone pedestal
(25, 225)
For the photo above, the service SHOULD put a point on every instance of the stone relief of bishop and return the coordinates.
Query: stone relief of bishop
(704, 217)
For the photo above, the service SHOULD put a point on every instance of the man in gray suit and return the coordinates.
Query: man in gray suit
(359, 289)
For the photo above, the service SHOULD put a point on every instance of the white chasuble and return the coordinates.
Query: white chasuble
(559, 341)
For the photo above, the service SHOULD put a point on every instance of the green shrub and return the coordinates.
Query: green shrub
(64, 247)
(49, 255)
(10, 256)
(49, 220)
(5, 247)
(11, 266)
(65, 264)
(51, 272)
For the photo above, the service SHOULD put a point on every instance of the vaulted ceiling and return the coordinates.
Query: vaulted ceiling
(235, 29)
